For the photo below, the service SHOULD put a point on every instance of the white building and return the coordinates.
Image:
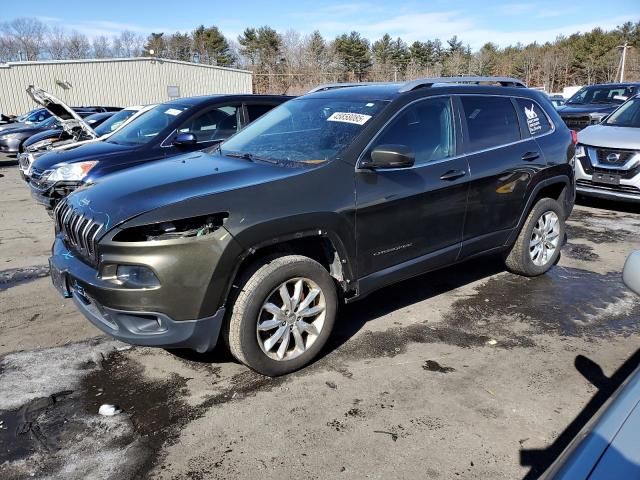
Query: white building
(115, 81)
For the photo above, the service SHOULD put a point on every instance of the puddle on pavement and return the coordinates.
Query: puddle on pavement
(17, 276)
(568, 301)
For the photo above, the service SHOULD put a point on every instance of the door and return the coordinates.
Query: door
(502, 162)
(404, 214)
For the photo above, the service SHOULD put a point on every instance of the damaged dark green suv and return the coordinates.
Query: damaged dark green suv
(324, 199)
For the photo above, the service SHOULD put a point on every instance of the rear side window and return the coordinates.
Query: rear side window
(537, 120)
(255, 111)
(425, 127)
(491, 121)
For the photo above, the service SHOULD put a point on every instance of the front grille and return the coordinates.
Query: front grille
(608, 188)
(577, 123)
(612, 157)
(79, 231)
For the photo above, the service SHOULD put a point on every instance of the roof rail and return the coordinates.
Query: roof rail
(430, 82)
(333, 86)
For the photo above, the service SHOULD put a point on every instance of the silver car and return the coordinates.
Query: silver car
(608, 155)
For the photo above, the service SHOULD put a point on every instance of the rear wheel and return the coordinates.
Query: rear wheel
(283, 315)
(538, 245)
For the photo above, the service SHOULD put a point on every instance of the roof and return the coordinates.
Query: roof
(200, 99)
(115, 60)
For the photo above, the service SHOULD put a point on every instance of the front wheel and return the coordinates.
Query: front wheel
(283, 315)
(538, 245)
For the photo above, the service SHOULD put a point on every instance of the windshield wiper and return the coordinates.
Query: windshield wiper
(249, 156)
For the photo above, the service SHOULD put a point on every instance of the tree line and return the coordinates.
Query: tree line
(288, 62)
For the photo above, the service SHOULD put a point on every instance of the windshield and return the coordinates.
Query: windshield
(51, 122)
(628, 115)
(306, 130)
(601, 94)
(113, 122)
(38, 116)
(144, 128)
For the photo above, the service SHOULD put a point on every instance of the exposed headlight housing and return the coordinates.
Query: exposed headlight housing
(74, 172)
(175, 229)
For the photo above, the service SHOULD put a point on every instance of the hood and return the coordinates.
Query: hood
(69, 118)
(11, 126)
(608, 136)
(22, 129)
(587, 108)
(90, 151)
(52, 134)
(134, 191)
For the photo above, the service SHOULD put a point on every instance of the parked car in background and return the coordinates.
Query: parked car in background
(39, 115)
(177, 126)
(608, 155)
(36, 146)
(52, 137)
(334, 194)
(591, 104)
(11, 140)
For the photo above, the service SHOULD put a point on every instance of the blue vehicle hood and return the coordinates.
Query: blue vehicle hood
(91, 151)
(149, 186)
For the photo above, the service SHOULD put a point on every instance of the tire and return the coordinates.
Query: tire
(261, 286)
(520, 259)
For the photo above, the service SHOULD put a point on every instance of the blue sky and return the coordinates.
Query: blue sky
(474, 21)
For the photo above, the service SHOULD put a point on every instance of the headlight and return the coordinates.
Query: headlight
(70, 173)
(597, 117)
(580, 151)
(9, 136)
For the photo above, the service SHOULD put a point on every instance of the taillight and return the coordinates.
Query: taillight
(574, 137)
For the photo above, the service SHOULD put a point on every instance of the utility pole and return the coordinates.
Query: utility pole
(623, 59)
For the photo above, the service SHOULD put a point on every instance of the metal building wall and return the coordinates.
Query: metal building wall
(117, 82)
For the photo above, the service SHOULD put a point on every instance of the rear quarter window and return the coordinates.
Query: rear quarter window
(537, 122)
(491, 121)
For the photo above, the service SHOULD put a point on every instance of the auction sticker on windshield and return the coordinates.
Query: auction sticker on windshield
(346, 117)
(173, 111)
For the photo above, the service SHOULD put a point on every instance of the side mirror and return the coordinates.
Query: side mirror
(185, 140)
(390, 156)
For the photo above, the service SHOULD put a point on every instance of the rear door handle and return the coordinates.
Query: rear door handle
(530, 156)
(453, 175)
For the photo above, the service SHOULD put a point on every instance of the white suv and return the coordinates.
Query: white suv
(608, 155)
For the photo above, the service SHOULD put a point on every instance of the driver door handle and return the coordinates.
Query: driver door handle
(530, 156)
(453, 175)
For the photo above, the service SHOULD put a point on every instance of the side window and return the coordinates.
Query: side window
(215, 124)
(425, 127)
(255, 111)
(491, 121)
(537, 120)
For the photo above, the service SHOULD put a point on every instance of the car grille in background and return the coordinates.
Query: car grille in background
(617, 157)
(577, 123)
(608, 188)
(79, 231)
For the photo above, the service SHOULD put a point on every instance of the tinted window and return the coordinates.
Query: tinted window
(255, 111)
(537, 121)
(601, 94)
(491, 121)
(219, 123)
(425, 127)
(628, 115)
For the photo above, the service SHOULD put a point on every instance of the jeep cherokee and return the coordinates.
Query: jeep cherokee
(327, 197)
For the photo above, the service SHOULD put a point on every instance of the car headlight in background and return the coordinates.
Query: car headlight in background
(597, 117)
(74, 172)
(9, 136)
(580, 151)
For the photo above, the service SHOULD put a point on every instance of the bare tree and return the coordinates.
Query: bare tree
(8, 49)
(129, 44)
(101, 47)
(57, 43)
(78, 46)
(29, 35)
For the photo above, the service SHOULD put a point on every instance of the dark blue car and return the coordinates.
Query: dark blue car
(171, 128)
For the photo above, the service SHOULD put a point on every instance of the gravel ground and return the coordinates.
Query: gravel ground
(469, 372)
